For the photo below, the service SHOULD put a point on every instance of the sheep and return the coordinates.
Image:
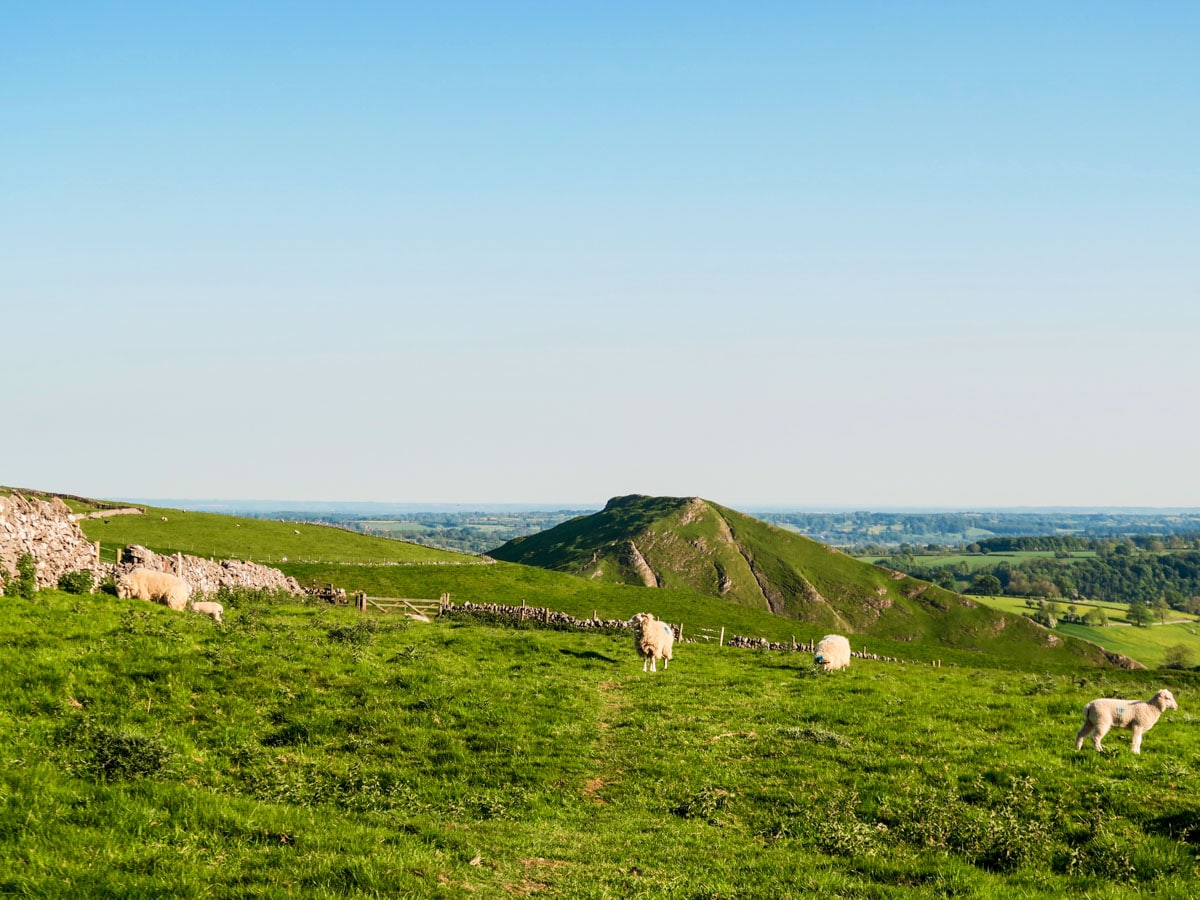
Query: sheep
(147, 584)
(833, 652)
(653, 640)
(1138, 716)
(208, 608)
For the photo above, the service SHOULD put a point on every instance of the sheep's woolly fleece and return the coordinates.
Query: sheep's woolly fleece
(833, 652)
(162, 587)
(208, 608)
(1138, 716)
(653, 640)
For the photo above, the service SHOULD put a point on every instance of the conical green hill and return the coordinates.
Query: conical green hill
(692, 544)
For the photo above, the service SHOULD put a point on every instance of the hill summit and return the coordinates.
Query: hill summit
(692, 544)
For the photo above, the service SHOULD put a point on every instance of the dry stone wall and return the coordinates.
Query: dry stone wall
(206, 575)
(47, 530)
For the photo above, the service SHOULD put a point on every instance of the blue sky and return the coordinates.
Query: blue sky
(850, 254)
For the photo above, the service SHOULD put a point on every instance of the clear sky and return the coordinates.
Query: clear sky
(855, 254)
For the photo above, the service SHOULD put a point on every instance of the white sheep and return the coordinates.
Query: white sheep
(1138, 716)
(162, 587)
(208, 608)
(653, 640)
(833, 652)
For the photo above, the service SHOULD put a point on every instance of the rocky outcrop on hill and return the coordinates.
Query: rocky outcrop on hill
(47, 530)
(205, 575)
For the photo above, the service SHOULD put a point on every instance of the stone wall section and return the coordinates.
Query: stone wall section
(206, 575)
(46, 529)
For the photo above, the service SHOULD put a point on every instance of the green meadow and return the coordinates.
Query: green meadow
(309, 750)
(303, 749)
(256, 540)
(1147, 644)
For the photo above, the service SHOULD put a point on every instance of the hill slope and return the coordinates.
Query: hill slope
(694, 545)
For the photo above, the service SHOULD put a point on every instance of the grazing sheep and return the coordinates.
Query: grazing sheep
(652, 639)
(208, 608)
(162, 587)
(1138, 716)
(833, 652)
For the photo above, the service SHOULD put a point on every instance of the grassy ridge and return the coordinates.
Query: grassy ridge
(301, 751)
(255, 540)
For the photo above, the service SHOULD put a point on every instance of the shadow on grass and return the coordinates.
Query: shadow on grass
(587, 654)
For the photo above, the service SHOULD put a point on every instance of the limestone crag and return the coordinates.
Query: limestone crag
(206, 575)
(47, 530)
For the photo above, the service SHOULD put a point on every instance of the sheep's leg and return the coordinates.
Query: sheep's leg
(665, 662)
(644, 662)
(652, 662)
(1088, 728)
(1137, 739)
(1101, 731)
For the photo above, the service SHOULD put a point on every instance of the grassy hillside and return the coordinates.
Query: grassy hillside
(694, 545)
(255, 540)
(305, 750)
(1148, 645)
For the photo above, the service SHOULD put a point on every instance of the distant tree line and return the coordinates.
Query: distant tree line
(1138, 570)
(862, 530)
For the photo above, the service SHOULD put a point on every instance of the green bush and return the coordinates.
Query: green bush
(77, 582)
(1179, 656)
(111, 754)
(360, 634)
(24, 583)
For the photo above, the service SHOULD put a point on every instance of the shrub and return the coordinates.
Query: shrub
(1179, 656)
(705, 805)
(112, 754)
(360, 634)
(25, 583)
(77, 582)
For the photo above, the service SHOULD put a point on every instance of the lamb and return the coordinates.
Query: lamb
(1138, 716)
(833, 652)
(653, 640)
(208, 608)
(147, 584)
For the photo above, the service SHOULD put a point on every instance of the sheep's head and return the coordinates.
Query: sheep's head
(640, 620)
(1164, 699)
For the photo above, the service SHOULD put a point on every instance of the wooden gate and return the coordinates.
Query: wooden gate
(407, 605)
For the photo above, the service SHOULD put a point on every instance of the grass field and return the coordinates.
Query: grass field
(307, 750)
(311, 750)
(1146, 644)
(256, 540)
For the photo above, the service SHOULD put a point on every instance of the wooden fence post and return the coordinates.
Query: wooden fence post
(722, 642)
